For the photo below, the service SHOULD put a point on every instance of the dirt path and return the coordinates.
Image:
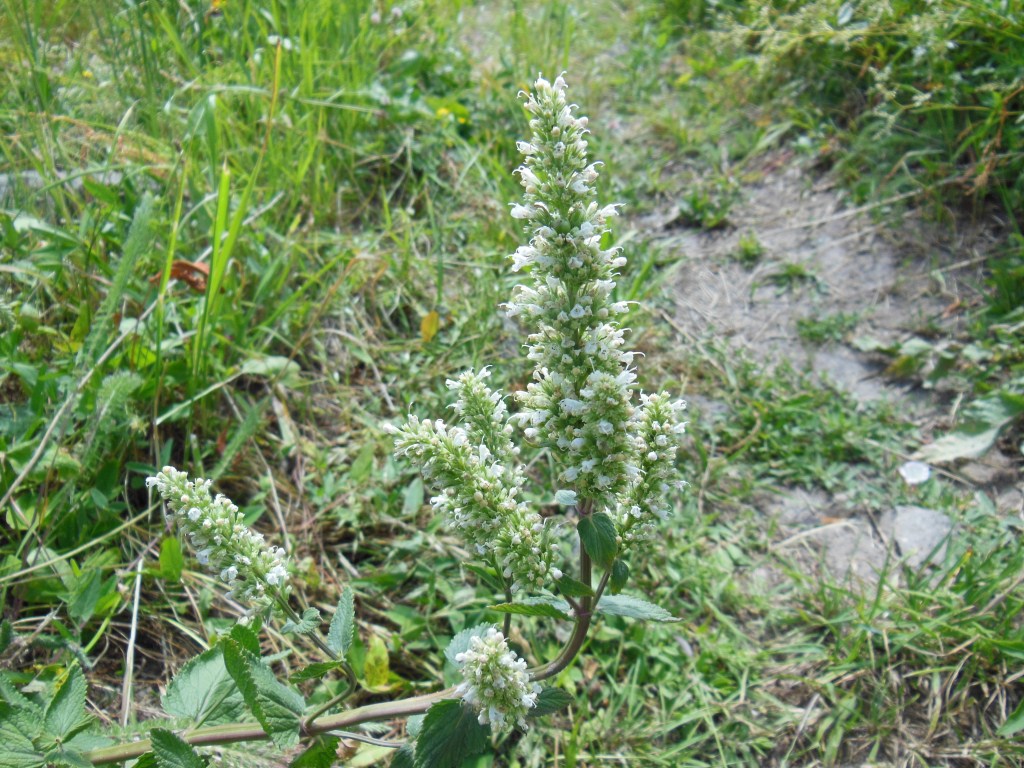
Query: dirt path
(828, 265)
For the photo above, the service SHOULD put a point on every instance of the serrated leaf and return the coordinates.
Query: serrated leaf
(171, 751)
(404, 757)
(599, 538)
(172, 562)
(307, 624)
(322, 753)
(551, 600)
(570, 587)
(16, 748)
(246, 638)
(62, 757)
(276, 706)
(203, 690)
(315, 671)
(633, 608)
(460, 643)
(339, 636)
(450, 734)
(619, 577)
(375, 668)
(65, 714)
(550, 700)
(522, 609)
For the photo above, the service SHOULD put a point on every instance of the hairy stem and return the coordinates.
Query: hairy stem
(235, 732)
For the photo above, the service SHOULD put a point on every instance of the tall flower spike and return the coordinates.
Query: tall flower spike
(579, 402)
(222, 540)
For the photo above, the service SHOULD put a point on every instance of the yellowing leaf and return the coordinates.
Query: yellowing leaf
(430, 325)
(376, 669)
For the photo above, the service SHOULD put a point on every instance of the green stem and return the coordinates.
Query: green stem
(235, 732)
(584, 614)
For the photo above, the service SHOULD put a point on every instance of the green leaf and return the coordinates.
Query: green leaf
(983, 421)
(570, 587)
(550, 700)
(597, 532)
(65, 714)
(322, 753)
(16, 747)
(172, 563)
(522, 609)
(62, 757)
(460, 643)
(315, 671)
(557, 602)
(488, 576)
(276, 706)
(450, 734)
(246, 638)
(412, 500)
(339, 636)
(204, 691)
(1014, 723)
(619, 577)
(404, 757)
(308, 624)
(171, 751)
(633, 608)
(375, 668)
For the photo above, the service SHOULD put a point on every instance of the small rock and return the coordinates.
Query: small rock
(919, 532)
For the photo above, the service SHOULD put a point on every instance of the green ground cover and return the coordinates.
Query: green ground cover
(240, 236)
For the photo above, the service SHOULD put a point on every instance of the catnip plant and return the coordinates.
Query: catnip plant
(616, 452)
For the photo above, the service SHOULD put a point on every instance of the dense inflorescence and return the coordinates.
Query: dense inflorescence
(222, 540)
(495, 682)
(474, 468)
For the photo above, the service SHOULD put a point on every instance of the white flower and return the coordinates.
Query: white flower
(495, 682)
(223, 542)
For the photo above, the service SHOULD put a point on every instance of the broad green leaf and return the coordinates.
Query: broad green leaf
(450, 734)
(460, 643)
(599, 537)
(16, 748)
(63, 757)
(570, 587)
(322, 753)
(276, 706)
(271, 366)
(522, 609)
(65, 714)
(308, 623)
(983, 422)
(339, 636)
(404, 757)
(315, 671)
(633, 608)
(172, 563)
(550, 700)
(487, 575)
(171, 751)
(619, 577)
(203, 690)
(376, 669)
(246, 638)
